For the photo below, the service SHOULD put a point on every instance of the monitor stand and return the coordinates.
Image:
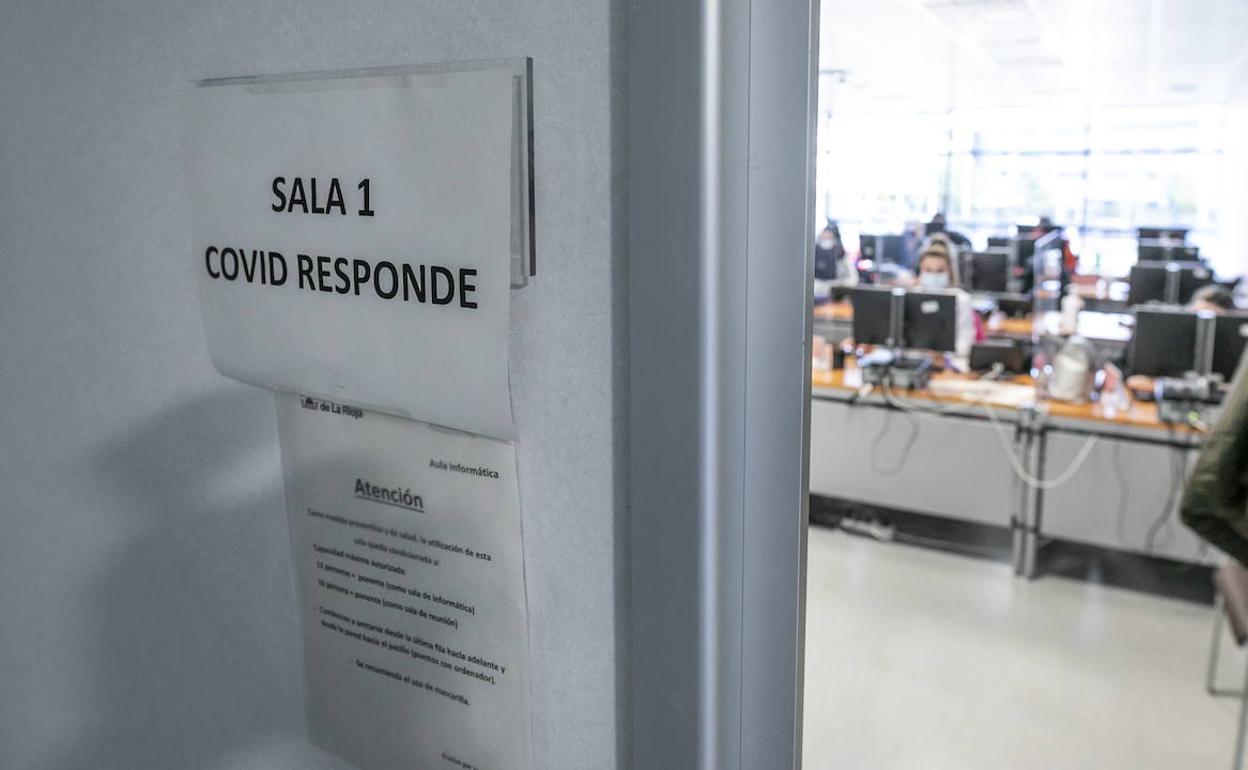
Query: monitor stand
(895, 368)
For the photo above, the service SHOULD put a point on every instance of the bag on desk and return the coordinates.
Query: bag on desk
(1215, 500)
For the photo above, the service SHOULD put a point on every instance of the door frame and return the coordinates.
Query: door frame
(721, 133)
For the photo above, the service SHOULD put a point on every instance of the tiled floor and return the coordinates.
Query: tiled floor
(917, 658)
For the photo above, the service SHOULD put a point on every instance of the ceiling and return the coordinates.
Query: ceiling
(890, 56)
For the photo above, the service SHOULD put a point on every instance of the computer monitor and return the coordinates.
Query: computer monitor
(1230, 336)
(887, 249)
(1015, 305)
(1152, 252)
(892, 249)
(1147, 283)
(965, 268)
(1164, 343)
(1170, 282)
(868, 246)
(930, 320)
(1162, 233)
(1192, 277)
(873, 316)
(990, 271)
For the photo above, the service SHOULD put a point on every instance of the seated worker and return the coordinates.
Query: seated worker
(939, 226)
(829, 251)
(938, 269)
(1213, 298)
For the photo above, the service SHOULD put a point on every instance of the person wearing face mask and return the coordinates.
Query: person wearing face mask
(828, 253)
(937, 268)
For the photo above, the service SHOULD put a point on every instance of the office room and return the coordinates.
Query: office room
(1029, 309)
(564, 384)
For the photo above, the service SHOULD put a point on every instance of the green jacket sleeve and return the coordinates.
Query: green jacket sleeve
(1215, 501)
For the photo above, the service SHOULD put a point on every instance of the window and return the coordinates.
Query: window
(1099, 174)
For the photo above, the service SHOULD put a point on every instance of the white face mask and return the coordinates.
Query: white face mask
(934, 280)
(826, 243)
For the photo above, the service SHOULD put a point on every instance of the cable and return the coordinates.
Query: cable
(1178, 463)
(1015, 463)
(1022, 472)
(1150, 538)
(1027, 478)
(1124, 490)
(910, 406)
(905, 451)
(1019, 470)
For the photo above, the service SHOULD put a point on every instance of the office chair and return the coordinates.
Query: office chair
(1230, 608)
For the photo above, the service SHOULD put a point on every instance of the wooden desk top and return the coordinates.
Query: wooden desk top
(1139, 414)
(835, 311)
(1010, 327)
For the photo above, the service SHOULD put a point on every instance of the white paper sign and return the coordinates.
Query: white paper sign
(411, 587)
(353, 236)
(356, 237)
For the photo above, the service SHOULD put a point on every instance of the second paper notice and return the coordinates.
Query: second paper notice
(406, 542)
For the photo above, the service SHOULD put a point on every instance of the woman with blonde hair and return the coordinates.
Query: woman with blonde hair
(938, 271)
(938, 258)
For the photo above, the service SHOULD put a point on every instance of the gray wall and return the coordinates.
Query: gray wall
(147, 615)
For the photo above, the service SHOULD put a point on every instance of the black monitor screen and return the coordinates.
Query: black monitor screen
(1159, 253)
(965, 268)
(866, 246)
(893, 249)
(1229, 338)
(872, 316)
(990, 271)
(884, 249)
(1149, 281)
(1158, 233)
(1148, 284)
(1164, 344)
(1191, 278)
(930, 321)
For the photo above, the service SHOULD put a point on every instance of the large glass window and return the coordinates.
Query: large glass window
(1099, 174)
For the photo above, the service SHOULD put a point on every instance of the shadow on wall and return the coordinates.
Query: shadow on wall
(193, 634)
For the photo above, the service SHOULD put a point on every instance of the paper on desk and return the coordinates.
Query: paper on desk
(983, 391)
(422, 168)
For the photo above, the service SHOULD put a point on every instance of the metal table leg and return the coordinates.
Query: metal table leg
(1031, 555)
(1019, 515)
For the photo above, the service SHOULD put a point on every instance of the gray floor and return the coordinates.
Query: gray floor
(917, 658)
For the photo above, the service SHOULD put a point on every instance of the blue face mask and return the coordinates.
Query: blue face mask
(934, 280)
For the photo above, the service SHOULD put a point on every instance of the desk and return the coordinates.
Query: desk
(837, 383)
(835, 311)
(867, 449)
(1104, 293)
